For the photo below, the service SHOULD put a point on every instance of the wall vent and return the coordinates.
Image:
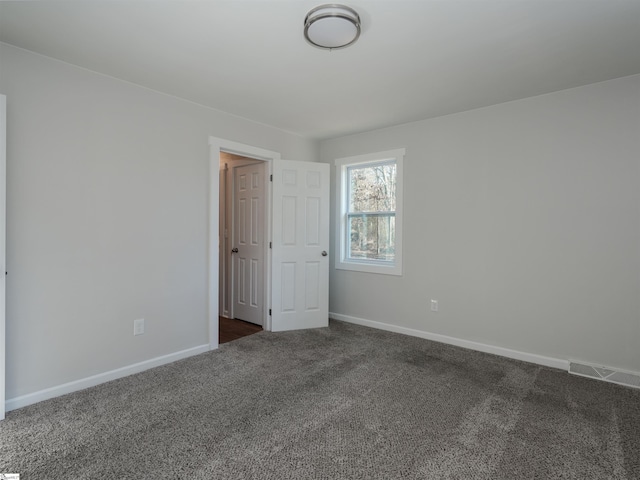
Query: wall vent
(627, 379)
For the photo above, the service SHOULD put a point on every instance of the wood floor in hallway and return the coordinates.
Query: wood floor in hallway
(232, 329)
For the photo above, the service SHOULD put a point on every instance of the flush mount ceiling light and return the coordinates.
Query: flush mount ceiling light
(332, 26)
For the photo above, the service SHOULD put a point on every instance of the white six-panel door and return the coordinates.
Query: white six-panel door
(300, 230)
(248, 239)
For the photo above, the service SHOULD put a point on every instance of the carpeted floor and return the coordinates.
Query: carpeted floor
(346, 402)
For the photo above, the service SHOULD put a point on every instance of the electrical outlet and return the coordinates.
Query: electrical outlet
(434, 305)
(138, 326)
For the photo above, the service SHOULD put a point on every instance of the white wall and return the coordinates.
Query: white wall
(107, 186)
(523, 220)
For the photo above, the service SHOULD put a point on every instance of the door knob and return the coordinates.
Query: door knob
(234, 250)
(324, 253)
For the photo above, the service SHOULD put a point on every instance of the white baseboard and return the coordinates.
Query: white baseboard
(481, 347)
(31, 398)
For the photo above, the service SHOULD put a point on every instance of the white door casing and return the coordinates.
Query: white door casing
(3, 218)
(217, 145)
(248, 239)
(300, 231)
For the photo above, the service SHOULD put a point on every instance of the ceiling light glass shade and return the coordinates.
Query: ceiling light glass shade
(332, 26)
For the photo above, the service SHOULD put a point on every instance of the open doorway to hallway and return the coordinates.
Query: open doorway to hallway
(243, 242)
(295, 288)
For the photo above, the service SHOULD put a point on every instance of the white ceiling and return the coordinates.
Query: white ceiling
(414, 59)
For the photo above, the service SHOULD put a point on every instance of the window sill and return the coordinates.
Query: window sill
(370, 268)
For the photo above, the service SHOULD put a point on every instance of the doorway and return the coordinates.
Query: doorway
(296, 270)
(243, 236)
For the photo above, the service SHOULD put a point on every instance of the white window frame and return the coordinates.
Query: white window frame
(342, 261)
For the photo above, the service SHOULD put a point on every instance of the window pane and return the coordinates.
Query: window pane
(372, 188)
(372, 237)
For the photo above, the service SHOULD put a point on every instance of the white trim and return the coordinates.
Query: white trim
(559, 363)
(217, 145)
(241, 149)
(213, 243)
(3, 243)
(31, 398)
(341, 188)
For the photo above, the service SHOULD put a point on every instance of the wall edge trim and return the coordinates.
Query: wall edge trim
(83, 383)
(552, 362)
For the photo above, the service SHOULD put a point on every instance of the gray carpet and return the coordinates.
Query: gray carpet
(345, 402)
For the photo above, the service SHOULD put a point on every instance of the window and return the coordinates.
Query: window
(369, 213)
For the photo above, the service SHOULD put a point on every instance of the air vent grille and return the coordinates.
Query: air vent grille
(606, 374)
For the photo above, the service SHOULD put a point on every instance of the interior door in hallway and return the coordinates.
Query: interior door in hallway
(248, 242)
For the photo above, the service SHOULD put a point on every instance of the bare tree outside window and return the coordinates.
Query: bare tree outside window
(371, 211)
